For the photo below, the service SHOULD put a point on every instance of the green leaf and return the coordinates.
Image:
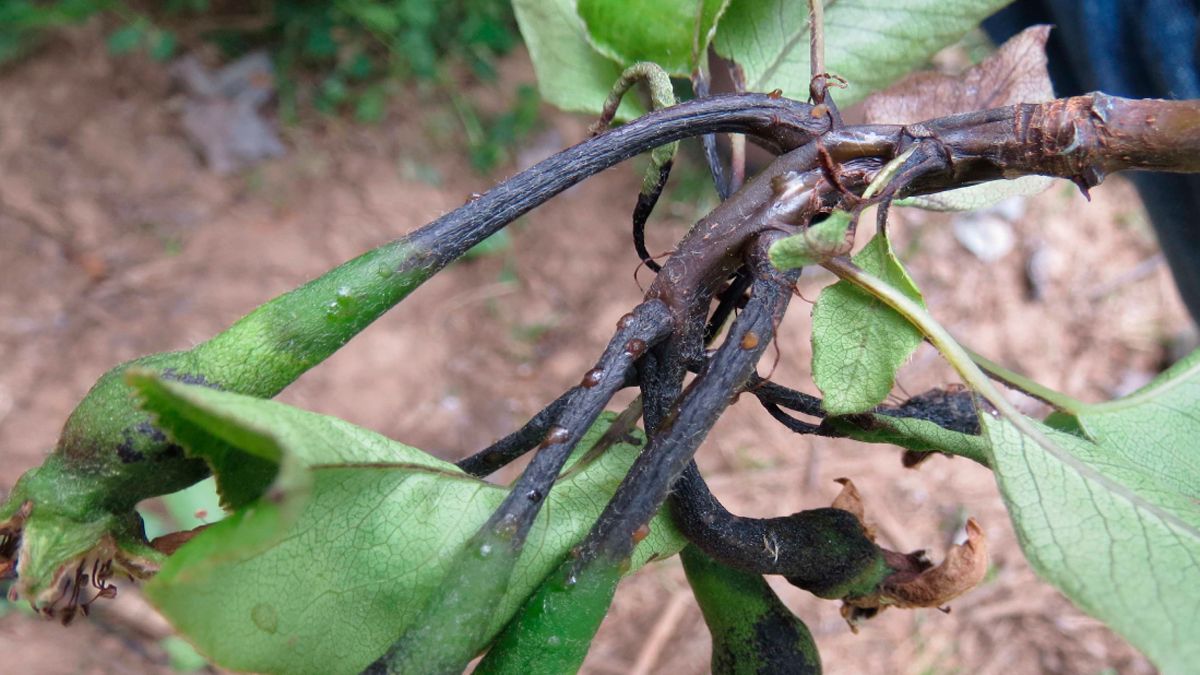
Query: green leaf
(337, 584)
(859, 342)
(912, 433)
(162, 45)
(1160, 421)
(871, 43)
(371, 105)
(125, 39)
(1114, 521)
(672, 33)
(182, 656)
(979, 196)
(571, 74)
(816, 243)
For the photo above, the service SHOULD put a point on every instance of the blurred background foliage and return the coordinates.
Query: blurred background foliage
(339, 57)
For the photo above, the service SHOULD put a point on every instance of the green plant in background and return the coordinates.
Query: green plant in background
(344, 551)
(358, 46)
(24, 22)
(349, 56)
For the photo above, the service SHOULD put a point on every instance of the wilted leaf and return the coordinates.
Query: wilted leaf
(1114, 521)
(571, 74)
(913, 581)
(963, 568)
(939, 420)
(871, 43)
(1015, 73)
(672, 33)
(858, 341)
(850, 500)
(247, 440)
(370, 541)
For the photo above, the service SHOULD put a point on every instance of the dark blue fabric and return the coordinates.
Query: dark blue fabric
(1136, 48)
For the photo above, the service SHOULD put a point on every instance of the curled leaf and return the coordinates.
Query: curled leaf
(849, 499)
(918, 583)
(964, 567)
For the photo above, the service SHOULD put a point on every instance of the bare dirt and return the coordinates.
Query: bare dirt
(116, 242)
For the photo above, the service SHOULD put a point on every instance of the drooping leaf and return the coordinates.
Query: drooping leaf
(248, 441)
(672, 33)
(859, 342)
(1114, 521)
(571, 74)
(1015, 73)
(938, 420)
(370, 542)
(871, 43)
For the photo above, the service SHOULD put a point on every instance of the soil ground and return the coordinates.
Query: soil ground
(116, 242)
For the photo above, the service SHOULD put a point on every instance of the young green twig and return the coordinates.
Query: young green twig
(662, 95)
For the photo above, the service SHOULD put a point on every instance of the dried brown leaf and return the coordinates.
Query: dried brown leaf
(964, 567)
(1015, 73)
(917, 583)
(850, 500)
(168, 543)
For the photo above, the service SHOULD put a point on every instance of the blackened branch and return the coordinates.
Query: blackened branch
(646, 485)
(820, 550)
(646, 200)
(770, 392)
(793, 424)
(648, 324)
(721, 180)
(733, 297)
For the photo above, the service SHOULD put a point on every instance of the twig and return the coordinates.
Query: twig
(816, 47)
(816, 550)
(648, 324)
(646, 484)
(512, 446)
(721, 180)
